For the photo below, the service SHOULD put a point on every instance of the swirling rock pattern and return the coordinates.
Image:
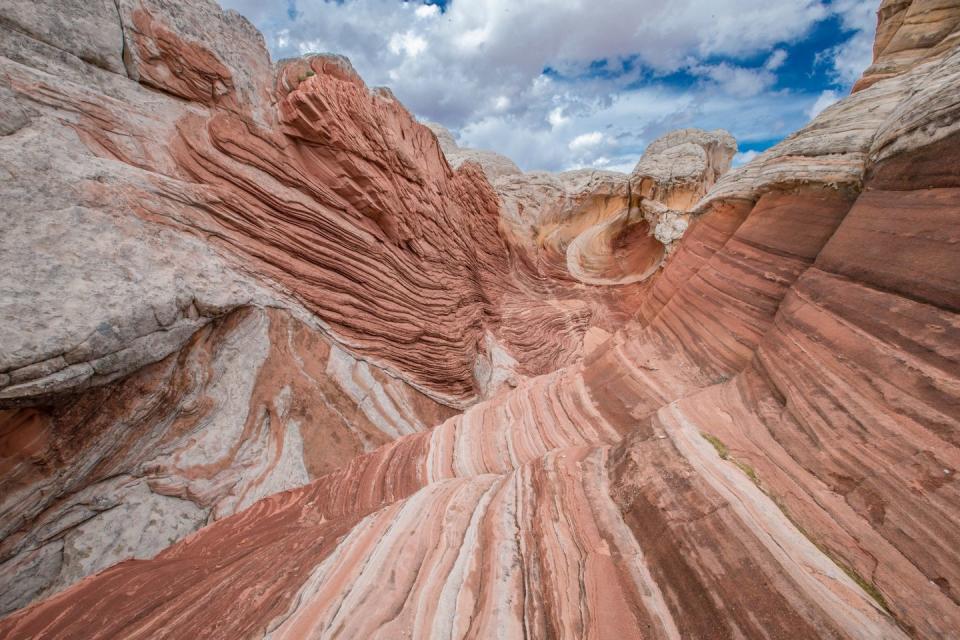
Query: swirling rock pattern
(603, 227)
(760, 440)
(256, 402)
(171, 190)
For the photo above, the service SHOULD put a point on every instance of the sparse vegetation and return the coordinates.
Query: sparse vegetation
(748, 471)
(721, 448)
(724, 452)
(868, 587)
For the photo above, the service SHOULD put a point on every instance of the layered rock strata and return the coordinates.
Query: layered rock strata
(908, 34)
(255, 403)
(223, 278)
(768, 448)
(603, 227)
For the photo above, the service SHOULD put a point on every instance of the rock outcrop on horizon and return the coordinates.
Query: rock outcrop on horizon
(280, 361)
(604, 227)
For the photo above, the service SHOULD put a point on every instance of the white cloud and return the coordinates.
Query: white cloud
(480, 66)
(848, 59)
(471, 40)
(556, 117)
(734, 80)
(743, 157)
(776, 60)
(408, 43)
(427, 11)
(824, 100)
(309, 46)
(585, 141)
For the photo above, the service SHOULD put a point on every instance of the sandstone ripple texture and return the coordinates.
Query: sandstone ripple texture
(279, 361)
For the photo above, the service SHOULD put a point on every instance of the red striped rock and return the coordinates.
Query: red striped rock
(255, 403)
(759, 441)
(209, 190)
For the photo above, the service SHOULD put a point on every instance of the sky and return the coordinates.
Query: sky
(566, 84)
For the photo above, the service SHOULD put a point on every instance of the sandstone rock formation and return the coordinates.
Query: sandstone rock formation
(250, 275)
(603, 227)
(256, 402)
(910, 33)
(404, 399)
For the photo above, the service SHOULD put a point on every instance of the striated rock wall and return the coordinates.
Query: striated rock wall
(310, 189)
(256, 402)
(759, 441)
(175, 207)
(910, 32)
(226, 165)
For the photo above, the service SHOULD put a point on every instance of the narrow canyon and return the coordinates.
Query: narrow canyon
(280, 361)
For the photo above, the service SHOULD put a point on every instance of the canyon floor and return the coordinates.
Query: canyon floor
(280, 361)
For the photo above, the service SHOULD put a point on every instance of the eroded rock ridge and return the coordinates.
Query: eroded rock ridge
(280, 361)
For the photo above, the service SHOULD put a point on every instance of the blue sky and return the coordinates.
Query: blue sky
(560, 84)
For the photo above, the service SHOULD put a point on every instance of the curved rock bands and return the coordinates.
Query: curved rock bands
(619, 251)
(350, 206)
(706, 235)
(484, 484)
(183, 68)
(858, 445)
(540, 548)
(604, 228)
(718, 303)
(255, 403)
(337, 196)
(736, 566)
(909, 34)
(494, 561)
(847, 414)
(319, 209)
(480, 441)
(402, 287)
(770, 449)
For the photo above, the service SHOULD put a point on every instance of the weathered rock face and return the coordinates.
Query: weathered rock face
(604, 227)
(908, 34)
(214, 167)
(760, 440)
(168, 186)
(678, 168)
(256, 402)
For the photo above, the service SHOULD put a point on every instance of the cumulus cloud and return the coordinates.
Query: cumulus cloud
(586, 141)
(735, 80)
(848, 59)
(824, 100)
(743, 157)
(529, 78)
